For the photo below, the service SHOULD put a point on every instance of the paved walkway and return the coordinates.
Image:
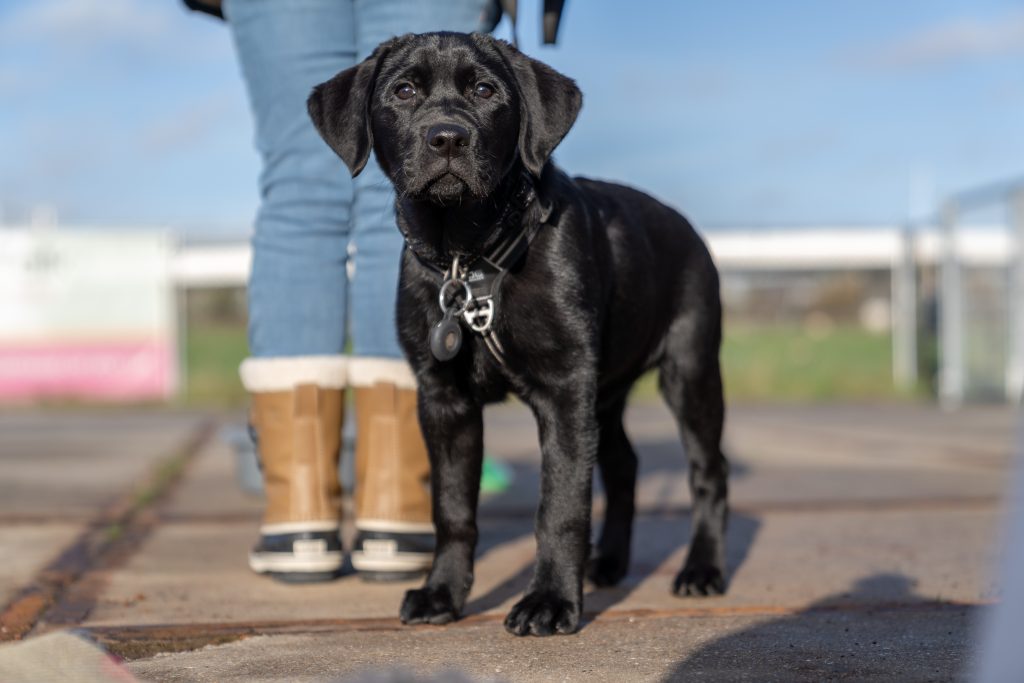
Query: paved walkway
(859, 548)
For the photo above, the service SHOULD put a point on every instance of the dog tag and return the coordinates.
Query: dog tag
(446, 337)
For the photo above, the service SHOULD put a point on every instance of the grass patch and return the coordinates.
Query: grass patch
(212, 359)
(759, 363)
(788, 364)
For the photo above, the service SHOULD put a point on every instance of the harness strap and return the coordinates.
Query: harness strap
(484, 274)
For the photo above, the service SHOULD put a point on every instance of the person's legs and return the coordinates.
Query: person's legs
(392, 499)
(297, 291)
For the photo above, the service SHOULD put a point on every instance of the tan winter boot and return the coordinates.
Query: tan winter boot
(395, 535)
(297, 408)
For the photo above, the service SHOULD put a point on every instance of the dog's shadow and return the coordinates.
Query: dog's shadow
(661, 529)
(655, 541)
(832, 639)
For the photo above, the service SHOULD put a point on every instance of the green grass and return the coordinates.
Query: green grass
(787, 364)
(762, 363)
(212, 358)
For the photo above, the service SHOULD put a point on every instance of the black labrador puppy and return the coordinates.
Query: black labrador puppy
(561, 290)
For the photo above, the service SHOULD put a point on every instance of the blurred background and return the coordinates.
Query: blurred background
(856, 167)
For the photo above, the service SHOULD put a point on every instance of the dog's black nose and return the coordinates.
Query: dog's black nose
(447, 139)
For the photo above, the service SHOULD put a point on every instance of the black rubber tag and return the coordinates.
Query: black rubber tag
(446, 338)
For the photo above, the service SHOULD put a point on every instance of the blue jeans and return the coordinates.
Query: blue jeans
(316, 226)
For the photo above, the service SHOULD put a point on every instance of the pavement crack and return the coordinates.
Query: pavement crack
(65, 591)
(142, 641)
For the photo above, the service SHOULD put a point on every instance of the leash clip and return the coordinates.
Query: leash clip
(480, 315)
(445, 337)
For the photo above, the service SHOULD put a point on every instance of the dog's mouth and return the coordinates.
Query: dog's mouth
(446, 188)
(446, 184)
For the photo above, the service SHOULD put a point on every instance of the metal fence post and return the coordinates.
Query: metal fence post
(904, 313)
(1015, 301)
(951, 315)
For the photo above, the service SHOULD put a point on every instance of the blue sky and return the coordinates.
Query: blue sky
(737, 112)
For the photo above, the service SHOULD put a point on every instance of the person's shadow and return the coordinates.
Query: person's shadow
(880, 630)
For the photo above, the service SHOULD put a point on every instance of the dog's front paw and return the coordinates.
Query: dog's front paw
(699, 579)
(428, 606)
(543, 614)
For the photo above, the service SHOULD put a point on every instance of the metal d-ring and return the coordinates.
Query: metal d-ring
(442, 296)
(482, 316)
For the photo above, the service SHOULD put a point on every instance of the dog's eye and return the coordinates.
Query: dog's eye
(404, 91)
(483, 90)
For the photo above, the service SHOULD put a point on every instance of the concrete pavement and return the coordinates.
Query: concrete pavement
(859, 548)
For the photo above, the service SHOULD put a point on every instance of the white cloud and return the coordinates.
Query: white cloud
(85, 21)
(83, 26)
(967, 38)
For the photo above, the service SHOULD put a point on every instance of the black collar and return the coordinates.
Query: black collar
(507, 244)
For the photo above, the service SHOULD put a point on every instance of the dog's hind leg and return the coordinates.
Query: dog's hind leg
(691, 382)
(618, 466)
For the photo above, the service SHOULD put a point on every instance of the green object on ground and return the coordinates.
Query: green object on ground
(496, 477)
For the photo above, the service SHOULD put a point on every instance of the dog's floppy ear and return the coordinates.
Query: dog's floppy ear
(340, 109)
(548, 105)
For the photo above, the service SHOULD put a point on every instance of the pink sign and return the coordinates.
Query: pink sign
(113, 370)
(87, 314)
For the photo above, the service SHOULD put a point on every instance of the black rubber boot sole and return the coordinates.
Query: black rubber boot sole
(390, 577)
(305, 577)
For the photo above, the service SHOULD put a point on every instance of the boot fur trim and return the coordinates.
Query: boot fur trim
(366, 371)
(287, 372)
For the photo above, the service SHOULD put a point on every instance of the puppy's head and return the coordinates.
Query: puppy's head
(447, 114)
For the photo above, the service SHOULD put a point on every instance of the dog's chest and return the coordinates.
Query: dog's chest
(487, 377)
